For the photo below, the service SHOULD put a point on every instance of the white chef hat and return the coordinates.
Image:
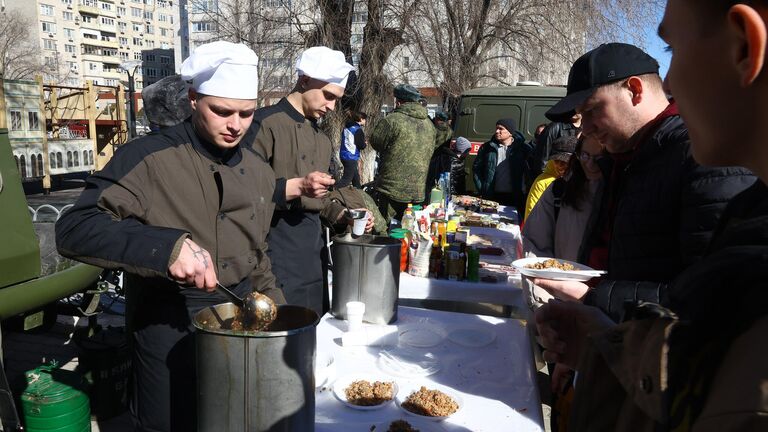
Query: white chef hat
(324, 64)
(223, 69)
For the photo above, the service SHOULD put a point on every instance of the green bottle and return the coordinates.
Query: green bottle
(473, 264)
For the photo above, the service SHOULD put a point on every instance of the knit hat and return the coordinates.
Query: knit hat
(508, 123)
(462, 144)
(407, 93)
(441, 115)
(563, 148)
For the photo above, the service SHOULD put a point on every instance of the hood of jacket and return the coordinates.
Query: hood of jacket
(412, 109)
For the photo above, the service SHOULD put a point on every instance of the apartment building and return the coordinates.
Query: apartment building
(89, 39)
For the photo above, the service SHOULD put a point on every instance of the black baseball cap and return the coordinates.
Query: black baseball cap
(603, 65)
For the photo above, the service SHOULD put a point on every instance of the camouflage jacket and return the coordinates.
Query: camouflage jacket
(405, 140)
(443, 133)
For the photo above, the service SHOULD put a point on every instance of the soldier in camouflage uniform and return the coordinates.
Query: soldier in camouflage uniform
(405, 140)
(443, 130)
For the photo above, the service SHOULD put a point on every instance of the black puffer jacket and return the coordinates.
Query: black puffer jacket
(667, 211)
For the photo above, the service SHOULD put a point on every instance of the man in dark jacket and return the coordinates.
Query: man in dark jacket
(179, 211)
(660, 207)
(499, 166)
(704, 367)
(288, 136)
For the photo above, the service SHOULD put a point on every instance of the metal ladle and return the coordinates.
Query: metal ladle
(257, 310)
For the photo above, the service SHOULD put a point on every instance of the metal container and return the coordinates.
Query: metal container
(55, 401)
(366, 269)
(256, 381)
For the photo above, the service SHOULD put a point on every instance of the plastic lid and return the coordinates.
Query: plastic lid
(397, 234)
(417, 208)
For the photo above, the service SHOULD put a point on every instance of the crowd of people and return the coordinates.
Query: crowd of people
(661, 183)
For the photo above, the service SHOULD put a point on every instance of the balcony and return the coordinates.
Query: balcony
(93, 25)
(102, 43)
(89, 9)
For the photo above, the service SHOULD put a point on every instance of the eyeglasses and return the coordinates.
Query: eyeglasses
(585, 157)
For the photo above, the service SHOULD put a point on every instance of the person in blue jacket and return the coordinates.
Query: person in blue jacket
(352, 141)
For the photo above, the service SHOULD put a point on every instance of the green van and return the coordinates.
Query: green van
(480, 108)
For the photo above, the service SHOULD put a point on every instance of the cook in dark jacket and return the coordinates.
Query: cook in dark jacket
(178, 211)
(660, 207)
(288, 136)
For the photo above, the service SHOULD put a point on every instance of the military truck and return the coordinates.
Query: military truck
(479, 109)
(24, 288)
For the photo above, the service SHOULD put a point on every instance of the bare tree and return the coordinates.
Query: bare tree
(460, 44)
(20, 56)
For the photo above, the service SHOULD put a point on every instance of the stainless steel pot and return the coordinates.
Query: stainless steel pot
(366, 269)
(250, 381)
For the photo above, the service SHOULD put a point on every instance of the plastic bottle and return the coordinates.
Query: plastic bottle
(473, 264)
(408, 219)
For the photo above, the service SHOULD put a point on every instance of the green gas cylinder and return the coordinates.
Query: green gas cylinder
(55, 402)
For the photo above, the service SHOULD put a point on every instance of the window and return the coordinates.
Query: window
(23, 166)
(89, 36)
(16, 123)
(69, 48)
(149, 2)
(136, 12)
(166, 32)
(360, 17)
(356, 38)
(89, 3)
(201, 6)
(137, 56)
(34, 120)
(85, 155)
(151, 72)
(48, 27)
(147, 15)
(137, 41)
(150, 58)
(59, 162)
(163, 3)
(90, 157)
(123, 41)
(66, 2)
(40, 171)
(121, 10)
(33, 162)
(93, 66)
(203, 26)
(150, 29)
(111, 82)
(106, 6)
(50, 62)
(49, 44)
(69, 33)
(165, 60)
(69, 159)
(74, 82)
(137, 27)
(162, 18)
(165, 45)
(149, 43)
(77, 158)
(46, 10)
(122, 26)
(107, 21)
(72, 65)
(123, 55)
(67, 16)
(87, 18)
(109, 52)
(52, 160)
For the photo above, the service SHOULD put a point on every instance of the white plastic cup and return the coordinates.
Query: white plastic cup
(355, 312)
(358, 226)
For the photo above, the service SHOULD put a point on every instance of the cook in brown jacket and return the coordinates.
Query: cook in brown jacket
(288, 136)
(178, 211)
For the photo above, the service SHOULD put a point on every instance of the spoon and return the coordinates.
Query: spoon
(257, 310)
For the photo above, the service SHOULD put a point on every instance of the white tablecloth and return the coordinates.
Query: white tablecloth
(497, 381)
(502, 293)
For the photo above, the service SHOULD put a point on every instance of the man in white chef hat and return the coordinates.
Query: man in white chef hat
(178, 211)
(287, 135)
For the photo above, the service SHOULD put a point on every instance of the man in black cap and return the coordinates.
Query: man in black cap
(499, 167)
(405, 140)
(659, 208)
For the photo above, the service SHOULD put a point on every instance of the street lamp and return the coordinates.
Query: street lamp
(130, 67)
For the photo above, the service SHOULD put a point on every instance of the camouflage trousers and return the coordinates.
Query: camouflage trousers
(389, 208)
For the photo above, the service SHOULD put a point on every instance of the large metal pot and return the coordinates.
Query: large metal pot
(366, 269)
(256, 381)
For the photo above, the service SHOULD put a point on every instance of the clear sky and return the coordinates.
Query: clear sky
(656, 47)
